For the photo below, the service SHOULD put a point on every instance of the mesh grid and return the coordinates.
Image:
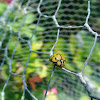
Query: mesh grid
(54, 26)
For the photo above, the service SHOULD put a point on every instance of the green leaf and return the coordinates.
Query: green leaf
(42, 72)
(95, 57)
(4, 73)
(73, 44)
(26, 32)
(38, 67)
(63, 96)
(70, 67)
(29, 18)
(88, 69)
(84, 97)
(2, 7)
(37, 45)
(40, 29)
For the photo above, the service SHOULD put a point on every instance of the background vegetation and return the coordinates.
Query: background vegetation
(74, 49)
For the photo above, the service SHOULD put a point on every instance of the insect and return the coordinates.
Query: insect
(58, 60)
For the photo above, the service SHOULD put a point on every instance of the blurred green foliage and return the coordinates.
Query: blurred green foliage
(2, 8)
(36, 65)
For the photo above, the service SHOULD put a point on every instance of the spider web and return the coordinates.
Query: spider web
(55, 24)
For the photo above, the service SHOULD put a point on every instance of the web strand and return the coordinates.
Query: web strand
(49, 82)
(80, 74)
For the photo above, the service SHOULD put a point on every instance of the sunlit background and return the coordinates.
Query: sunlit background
(73, 44)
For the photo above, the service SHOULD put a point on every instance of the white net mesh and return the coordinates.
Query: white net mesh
(31, 31)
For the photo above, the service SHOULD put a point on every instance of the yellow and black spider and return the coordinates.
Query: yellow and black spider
(58, 60)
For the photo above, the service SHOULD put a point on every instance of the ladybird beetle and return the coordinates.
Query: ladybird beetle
(58, 60)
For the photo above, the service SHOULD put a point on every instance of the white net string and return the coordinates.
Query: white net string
(6, 23)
